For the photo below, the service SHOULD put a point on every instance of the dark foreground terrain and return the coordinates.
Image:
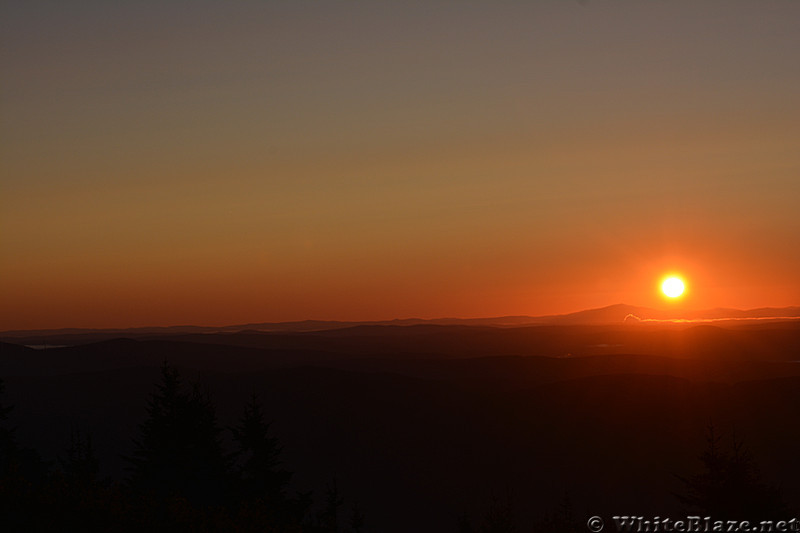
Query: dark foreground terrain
(436, 428)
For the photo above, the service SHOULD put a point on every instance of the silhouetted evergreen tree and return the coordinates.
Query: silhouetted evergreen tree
(180, 478)
(257, 456)
(260, 482)
(73, 497)
(329, 518)
(80, 466)
(179, 453)
(730, 484)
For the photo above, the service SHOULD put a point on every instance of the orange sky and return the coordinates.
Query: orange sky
(207, 164)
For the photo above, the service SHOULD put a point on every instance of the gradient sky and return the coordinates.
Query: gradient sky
(214, 163)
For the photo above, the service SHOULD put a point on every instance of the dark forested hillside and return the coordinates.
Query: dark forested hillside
(419, 436)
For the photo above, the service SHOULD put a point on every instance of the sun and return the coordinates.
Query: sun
(672, 287)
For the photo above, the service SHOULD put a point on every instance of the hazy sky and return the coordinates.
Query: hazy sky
(225, 162)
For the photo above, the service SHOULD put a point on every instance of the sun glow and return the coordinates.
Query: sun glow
(672, 287)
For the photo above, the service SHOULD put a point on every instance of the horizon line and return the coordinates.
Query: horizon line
(632, 316)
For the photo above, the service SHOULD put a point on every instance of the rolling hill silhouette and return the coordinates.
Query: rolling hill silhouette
(609, 315)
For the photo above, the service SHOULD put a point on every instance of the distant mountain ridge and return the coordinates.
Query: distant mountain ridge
(616, 314)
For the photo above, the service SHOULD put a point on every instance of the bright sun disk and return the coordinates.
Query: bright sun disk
(672, 287)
